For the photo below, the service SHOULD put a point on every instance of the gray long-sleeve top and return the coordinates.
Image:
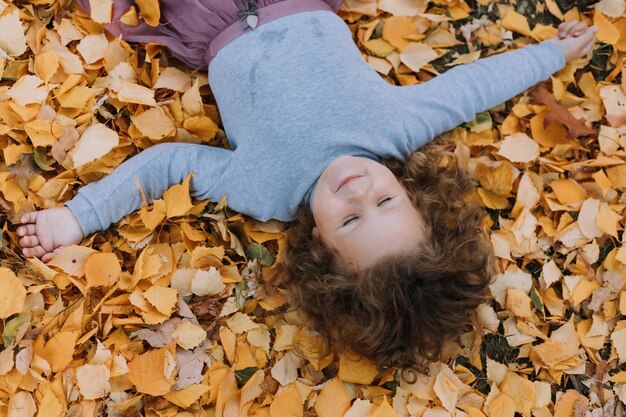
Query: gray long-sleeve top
(295, 94)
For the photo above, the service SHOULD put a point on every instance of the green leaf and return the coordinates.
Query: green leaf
(243, 375)
(536, 299)
(11, 328)
(481, 122)
(241, 293)
(260, 252)
(42, 159)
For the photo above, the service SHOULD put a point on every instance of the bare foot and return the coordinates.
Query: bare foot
(45, 232)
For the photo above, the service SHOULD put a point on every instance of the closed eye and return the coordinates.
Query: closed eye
(349, 220)
(384, 201)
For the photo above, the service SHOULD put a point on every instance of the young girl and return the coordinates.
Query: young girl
(388, 269)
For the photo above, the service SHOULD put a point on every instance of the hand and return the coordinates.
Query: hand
(575, 39)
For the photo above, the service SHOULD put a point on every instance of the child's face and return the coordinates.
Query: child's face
(364, 213)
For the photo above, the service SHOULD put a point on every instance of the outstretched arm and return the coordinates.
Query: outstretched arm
(99, 204)
(457, 95)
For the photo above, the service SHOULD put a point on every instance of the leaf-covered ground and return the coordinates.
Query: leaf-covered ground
(172, 311)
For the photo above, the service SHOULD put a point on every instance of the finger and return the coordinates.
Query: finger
(579, 28)
(565, 28)
(29, 241)
(48, 256)
(36, 252)
(588, 48)
(29, 217)
(29, 229)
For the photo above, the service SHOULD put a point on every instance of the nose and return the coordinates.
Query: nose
(357, 194)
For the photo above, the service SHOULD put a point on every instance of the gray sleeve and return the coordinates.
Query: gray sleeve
(99, 204)
(456, 96)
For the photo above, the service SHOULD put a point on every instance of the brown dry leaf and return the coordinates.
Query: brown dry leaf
(560, 113)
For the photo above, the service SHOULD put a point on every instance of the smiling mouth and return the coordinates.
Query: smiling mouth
(347, 180)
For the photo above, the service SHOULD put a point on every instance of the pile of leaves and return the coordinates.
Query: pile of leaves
(172, 311)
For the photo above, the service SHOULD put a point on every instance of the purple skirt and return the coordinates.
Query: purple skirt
(195, 30)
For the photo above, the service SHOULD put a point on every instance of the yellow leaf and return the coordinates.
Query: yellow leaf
(150, 12)
(189, 335)
(416, 54)
(618, 338)
(46, 65)
(501, 406)
(607, 220)
(187, 396)
(357, 369)
(102, 270)
(101, 10)
(397, 29)
(519, 147)
(177, 199)
(12, 39)
(13, 293)
(333, 401)
(43, 132)
(202, 126)
(93, 381)
(96, 141)
(287, 403)
(155, 123)
(516, 22)
(520, 390)
(152, 372)
(562, 345)
(59, 350)
(72, 259)
(518, 303)
(607, 32)
(164, 299)
(568, 191)
(379, 47)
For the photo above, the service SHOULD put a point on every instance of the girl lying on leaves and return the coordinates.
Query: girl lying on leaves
(384, 258)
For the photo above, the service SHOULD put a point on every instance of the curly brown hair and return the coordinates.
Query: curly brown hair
(401, 311)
